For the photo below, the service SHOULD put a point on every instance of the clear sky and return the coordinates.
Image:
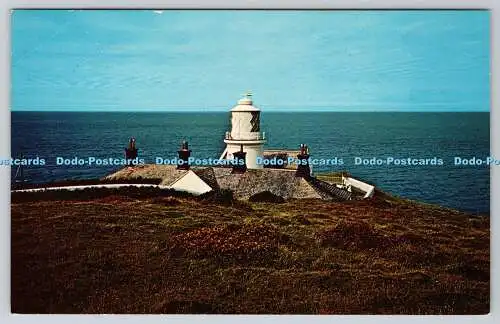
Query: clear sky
(150, 60)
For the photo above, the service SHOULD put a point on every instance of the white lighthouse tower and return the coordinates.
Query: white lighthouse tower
(245, 132)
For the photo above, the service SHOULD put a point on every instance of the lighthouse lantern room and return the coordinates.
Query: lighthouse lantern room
(245, 133)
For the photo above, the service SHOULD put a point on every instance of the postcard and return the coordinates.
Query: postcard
(250, 161)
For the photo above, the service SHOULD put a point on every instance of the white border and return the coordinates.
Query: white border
(6, 6)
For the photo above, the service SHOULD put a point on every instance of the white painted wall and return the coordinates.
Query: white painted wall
(368, 189)
(253, 151)
(191, 183)
(73, 188)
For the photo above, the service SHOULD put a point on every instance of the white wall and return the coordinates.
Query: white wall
(253, 151)
(368, 189)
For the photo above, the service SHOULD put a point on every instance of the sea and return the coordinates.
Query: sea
(350, 136)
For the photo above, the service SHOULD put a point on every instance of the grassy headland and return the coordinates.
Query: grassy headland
(121, 253)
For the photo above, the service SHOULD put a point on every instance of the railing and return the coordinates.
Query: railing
(258, 137)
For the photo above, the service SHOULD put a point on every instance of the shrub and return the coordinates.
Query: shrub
(223, 197)
(353, 235)
(266, 196)
(231, 242)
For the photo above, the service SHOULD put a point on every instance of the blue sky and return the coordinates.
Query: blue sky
(150, 60)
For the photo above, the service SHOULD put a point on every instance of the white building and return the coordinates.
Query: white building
(245, 132)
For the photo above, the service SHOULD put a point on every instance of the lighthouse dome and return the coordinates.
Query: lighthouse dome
(245, 104)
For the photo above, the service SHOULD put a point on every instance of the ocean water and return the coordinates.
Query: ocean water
(343, 135)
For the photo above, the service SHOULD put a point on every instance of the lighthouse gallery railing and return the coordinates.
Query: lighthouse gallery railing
(259, 137)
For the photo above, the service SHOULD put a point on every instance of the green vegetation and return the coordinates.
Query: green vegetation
(119, 252)
(332, 177)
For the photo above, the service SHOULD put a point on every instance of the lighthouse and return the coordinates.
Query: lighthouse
(245, 133)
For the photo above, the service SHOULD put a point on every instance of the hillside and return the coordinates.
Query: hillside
(123, 253)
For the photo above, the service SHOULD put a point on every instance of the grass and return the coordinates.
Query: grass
(123, 253)
(332, 177)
